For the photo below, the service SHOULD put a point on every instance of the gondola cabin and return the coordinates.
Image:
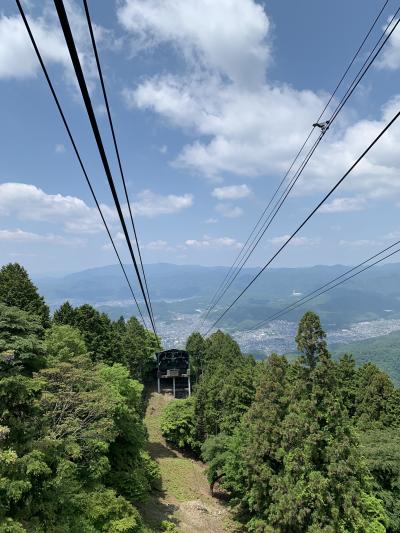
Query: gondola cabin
(173, 372)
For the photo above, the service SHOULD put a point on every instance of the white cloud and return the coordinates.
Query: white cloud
(18, 59)
(149, 204)
(390, 58)
(231, 192)
(251, 129)
(157, 246)
(358, 242)
(211, 221)
(212, 242)
(376, 176)
(296, 241)
(28, 202)
(345, 204)
(227, 35)
(229, 211)
(19, 235)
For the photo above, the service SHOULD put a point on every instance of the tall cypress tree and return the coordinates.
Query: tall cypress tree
(17, 290)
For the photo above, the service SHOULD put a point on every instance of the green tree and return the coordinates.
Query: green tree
(65, 315)
(195, 346)
(21, 347)
(96, 329)
(17, 290)
(136, 350)
(324, 484)
(226, 388)
(133, 473)
(381, 449)
(374, 390)
(62, 343)
(178, 424)
(310, 339)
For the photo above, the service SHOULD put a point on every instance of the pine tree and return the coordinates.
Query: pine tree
(17, 290)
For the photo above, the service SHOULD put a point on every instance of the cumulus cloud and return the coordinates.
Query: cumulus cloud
(229, 211)
(149, 204)
(345, 204)
(296, 241)
(18, 59)
(214, 242)
(28, 202)
(376, 176)
(252, 129)
(231, 192)
(21, 236)
(390, 58)
(204, 31)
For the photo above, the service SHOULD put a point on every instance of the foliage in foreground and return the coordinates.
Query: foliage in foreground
(310, 445)
(72, 438)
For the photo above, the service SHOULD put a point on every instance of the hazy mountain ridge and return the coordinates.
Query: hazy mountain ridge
(185, 289)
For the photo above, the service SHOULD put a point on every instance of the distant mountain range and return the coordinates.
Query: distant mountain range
(373, 295)
(367, 306)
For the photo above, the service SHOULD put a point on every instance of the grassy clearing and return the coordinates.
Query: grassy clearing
(184, 496)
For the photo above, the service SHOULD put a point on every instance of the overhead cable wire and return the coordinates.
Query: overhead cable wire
(328, 286)
(266, 224)
(309, 216)
(103, 87)
(220, 287)
(62, 15)
(361, 73)
(75, 148)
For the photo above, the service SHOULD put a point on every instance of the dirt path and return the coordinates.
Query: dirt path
(184, 497)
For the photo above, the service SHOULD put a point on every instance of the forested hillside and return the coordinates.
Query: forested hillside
(72, 438)
(384, 351)
(307, 445)
(310, 445)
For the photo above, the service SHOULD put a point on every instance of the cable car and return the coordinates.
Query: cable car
(173, 368)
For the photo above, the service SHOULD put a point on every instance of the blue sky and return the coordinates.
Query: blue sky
(211, 100)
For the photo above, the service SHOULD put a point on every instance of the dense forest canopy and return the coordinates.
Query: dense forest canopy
(72, 438)
(307, 445)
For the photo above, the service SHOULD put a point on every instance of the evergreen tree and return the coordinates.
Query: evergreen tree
(374, 389)
(310, 339)
(324, 485)
(134, 348)
(17, 290)
(96, 330)
(195, 346)
(65, 315)
(225, 390)
(21, 347)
